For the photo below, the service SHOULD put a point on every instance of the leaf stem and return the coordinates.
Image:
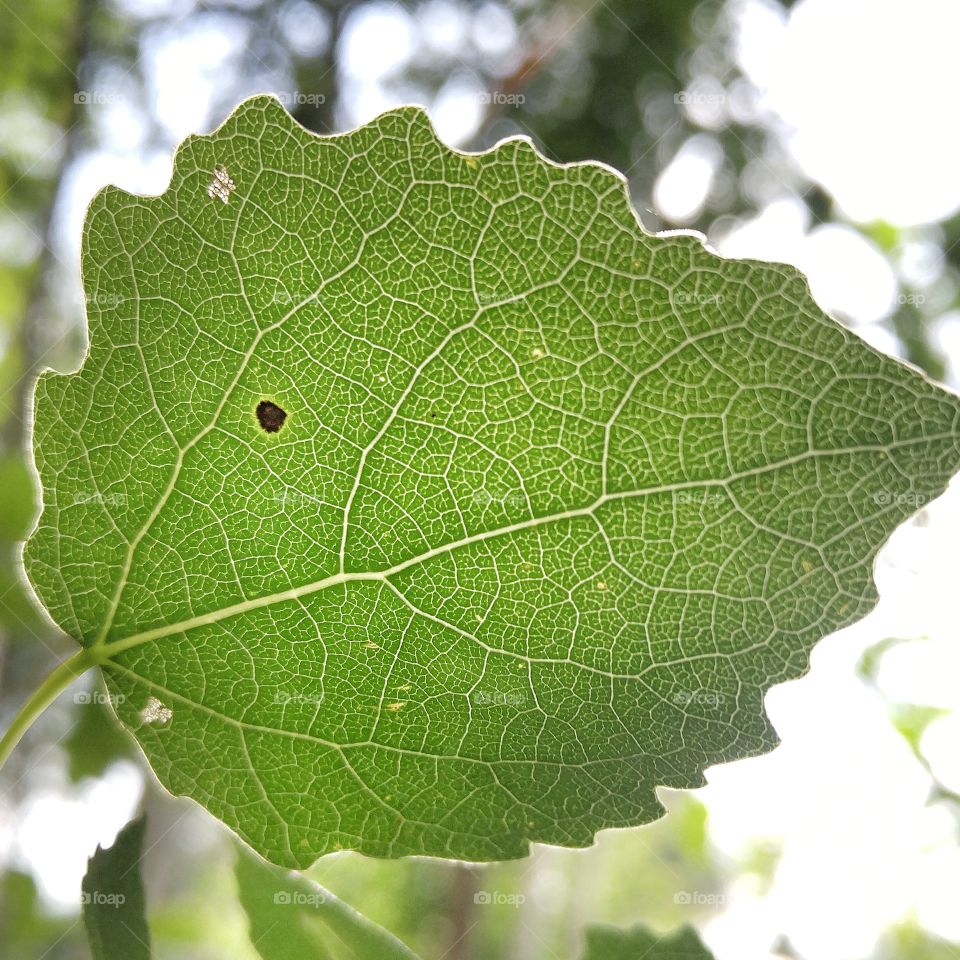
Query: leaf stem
(349, 924)
(263, 885)
(41, 698)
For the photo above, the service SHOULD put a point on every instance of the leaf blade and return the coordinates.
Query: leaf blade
(114, 905)
(552, 504)
(639, 943)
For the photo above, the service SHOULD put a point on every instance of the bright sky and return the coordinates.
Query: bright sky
(860, 91)
(864, 91)
(867, 90)
(861, 88)
(843, 794)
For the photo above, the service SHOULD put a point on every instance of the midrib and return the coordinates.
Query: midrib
(294, 593)
(109, 649)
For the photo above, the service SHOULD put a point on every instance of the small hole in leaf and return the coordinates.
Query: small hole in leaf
(270, 416)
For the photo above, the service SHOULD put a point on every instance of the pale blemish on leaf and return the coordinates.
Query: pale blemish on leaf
(221, 186)
(156, 712)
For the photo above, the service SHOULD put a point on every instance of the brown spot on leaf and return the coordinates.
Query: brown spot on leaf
(270, 416)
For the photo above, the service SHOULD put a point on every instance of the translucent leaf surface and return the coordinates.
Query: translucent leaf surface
(292, 918)
(420, 503)
(638, 943)
(114, 909)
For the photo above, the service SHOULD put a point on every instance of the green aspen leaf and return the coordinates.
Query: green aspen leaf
(292, 918)
(277, 924)
(418, 502)
(639, 943)
(114, 908)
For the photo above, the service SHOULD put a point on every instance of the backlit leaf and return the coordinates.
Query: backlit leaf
(638, 943)
(420, 503)
(114, 909)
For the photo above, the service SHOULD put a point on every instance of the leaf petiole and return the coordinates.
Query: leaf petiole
(41, 698)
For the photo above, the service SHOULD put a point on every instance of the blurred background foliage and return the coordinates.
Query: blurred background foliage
(94, 92)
